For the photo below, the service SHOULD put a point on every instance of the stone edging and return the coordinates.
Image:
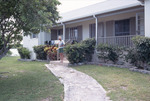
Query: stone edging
(139, 70)
(25, 60)
(131, 68)
(29, 60)
(102, 64)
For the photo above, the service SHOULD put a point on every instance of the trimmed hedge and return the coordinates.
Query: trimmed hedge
(80, 52)
(40, 53)
(24, 53)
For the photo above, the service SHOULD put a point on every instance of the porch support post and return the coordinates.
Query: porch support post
(96, 28)
(64, 31)
(147, 18)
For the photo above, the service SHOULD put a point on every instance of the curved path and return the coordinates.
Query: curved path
(77, 85)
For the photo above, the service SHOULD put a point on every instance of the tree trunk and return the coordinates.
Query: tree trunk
(3, 53)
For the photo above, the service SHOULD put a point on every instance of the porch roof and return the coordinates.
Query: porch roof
(99, 8)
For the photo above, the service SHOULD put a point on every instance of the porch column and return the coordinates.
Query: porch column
(147, 18)
(64, 31)
(96, 28)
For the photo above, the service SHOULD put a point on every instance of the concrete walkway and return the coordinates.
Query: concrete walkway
(78, 86)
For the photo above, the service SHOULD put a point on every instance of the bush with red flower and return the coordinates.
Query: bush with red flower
(51, 52)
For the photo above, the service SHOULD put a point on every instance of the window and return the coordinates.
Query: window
(73, 34)
(60, 33)
(122, 27)
(34, 36)
(92, 30)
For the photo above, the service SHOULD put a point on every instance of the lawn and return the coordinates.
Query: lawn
(27, 81)
(121, 84)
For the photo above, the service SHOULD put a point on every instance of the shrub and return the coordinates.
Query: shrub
(75, 53)
(142, 45)
(140, 54)
(107, 52)
(89, 47)
(132, 56)
(51, 52)
(80, 52)
(9, 53)
(40, 53)
(24, 53)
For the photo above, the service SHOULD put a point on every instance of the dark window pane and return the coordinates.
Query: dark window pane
(92, 30)
(122, 27)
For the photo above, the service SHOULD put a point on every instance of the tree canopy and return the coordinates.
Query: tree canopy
(23, 17)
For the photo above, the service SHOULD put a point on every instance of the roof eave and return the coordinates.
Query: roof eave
(133, 5)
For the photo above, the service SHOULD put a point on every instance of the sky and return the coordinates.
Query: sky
(68, 5)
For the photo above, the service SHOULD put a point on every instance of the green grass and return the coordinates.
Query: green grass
(27, 81)
(121, 84)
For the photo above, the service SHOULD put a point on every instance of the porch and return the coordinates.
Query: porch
(113, 28)
(123, 41)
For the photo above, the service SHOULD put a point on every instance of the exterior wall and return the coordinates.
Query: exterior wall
(29, 43)
(42, 37)
(14, 52)
(147, 18)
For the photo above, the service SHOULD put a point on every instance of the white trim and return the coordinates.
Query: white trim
(102, 16)
(114, 28)
(104, 28)
(121, 12)
(136, 23)
(96, 28)
(79, 20)
(105, 11)
(57, 34)
(69, 33)
(64, 31)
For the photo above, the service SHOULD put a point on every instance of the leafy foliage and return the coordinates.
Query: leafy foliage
(89, 46)
(107, 52)
(75, 53)
(142, 45)
(24, 53)
(139, 55)
(9, 53)
(40, 53)
(80, 52)
(18, 17)
(51, 52)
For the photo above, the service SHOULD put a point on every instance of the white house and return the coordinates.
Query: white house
(113, 22)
